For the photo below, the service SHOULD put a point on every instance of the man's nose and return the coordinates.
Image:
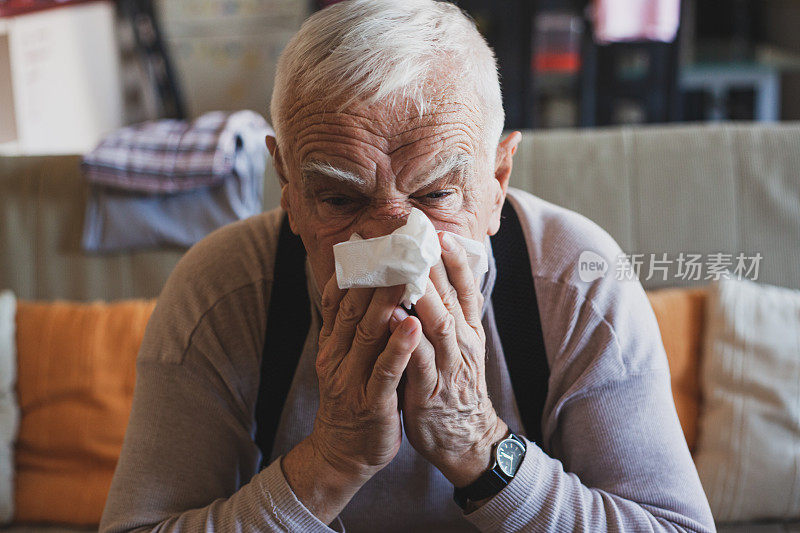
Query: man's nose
(382, 221)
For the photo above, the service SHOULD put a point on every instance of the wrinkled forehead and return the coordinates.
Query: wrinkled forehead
(395, 137)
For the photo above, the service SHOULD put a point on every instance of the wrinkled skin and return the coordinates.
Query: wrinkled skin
(367, 342)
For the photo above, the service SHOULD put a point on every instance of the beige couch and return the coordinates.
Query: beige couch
(656, 190)
(666, 189)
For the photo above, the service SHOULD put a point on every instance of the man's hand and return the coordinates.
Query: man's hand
(448, 416)
(357, 430)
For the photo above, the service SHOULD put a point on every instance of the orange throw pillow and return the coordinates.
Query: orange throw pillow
(75, 386)
(681, 319)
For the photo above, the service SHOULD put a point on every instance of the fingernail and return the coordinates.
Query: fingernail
(407, 327)
(398, 315)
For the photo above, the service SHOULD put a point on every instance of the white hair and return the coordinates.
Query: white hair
(410, 51)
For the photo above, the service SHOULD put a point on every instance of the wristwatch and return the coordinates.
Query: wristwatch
(507, 456)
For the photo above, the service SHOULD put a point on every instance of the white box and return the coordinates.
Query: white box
(60, 89)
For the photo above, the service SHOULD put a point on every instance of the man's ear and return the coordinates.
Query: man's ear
(277, 159)
(286, 205)
(502, 175)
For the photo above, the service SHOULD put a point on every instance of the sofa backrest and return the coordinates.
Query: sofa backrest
(697, 189)
(701, 189)
(42, 200)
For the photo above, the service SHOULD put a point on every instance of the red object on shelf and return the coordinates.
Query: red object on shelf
(557, 42)
(12, 8)
(557, 62)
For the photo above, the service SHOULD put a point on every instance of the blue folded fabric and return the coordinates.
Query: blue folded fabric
(170, 183)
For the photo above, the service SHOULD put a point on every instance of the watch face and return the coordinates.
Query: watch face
(509, 456)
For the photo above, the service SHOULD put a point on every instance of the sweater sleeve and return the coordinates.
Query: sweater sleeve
(189, 462)
(185, 453)
(616, 457)
(626, 471)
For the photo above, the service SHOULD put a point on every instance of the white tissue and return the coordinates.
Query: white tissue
(404, 257)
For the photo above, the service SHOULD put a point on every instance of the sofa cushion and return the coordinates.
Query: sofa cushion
(681, 316)
(76, 373)
(9, 412)
(748, 453)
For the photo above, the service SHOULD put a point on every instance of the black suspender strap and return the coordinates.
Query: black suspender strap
(515, 309)
(288, 320)
(516, 314)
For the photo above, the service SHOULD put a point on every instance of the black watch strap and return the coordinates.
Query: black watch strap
(488, 484)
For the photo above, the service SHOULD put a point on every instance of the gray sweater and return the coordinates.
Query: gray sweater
(613, 455)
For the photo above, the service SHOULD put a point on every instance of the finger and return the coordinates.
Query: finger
(449, 296)
(447, 292)
(391, 363)
(454, 258)
(351, 309)
(331, 297)
(421, 372)
(373, 329)
(439, 326)
(421, 369)
(398, 315)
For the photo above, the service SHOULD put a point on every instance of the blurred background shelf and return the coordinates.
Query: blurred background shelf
(225, 52)
(72, 70)
(730, 59)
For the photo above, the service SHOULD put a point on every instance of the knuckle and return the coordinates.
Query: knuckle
(368, 333)
(461, 254)
(468, 293)
(348, 311)
(444, 325)
(382, 372)
(328, 301)
(462, 378)
(336, 389)
(450, 298)
(322, 364)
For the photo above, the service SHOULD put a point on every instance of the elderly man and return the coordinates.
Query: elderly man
(380, 107)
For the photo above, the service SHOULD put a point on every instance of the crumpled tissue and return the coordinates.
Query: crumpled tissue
(404, 257)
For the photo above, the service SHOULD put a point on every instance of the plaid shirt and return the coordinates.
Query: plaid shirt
(169, 156)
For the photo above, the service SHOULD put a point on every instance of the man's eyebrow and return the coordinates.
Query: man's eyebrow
(320, 168)
(457, 162)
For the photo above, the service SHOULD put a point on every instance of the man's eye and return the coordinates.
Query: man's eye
(438, 195)
(338, 201)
